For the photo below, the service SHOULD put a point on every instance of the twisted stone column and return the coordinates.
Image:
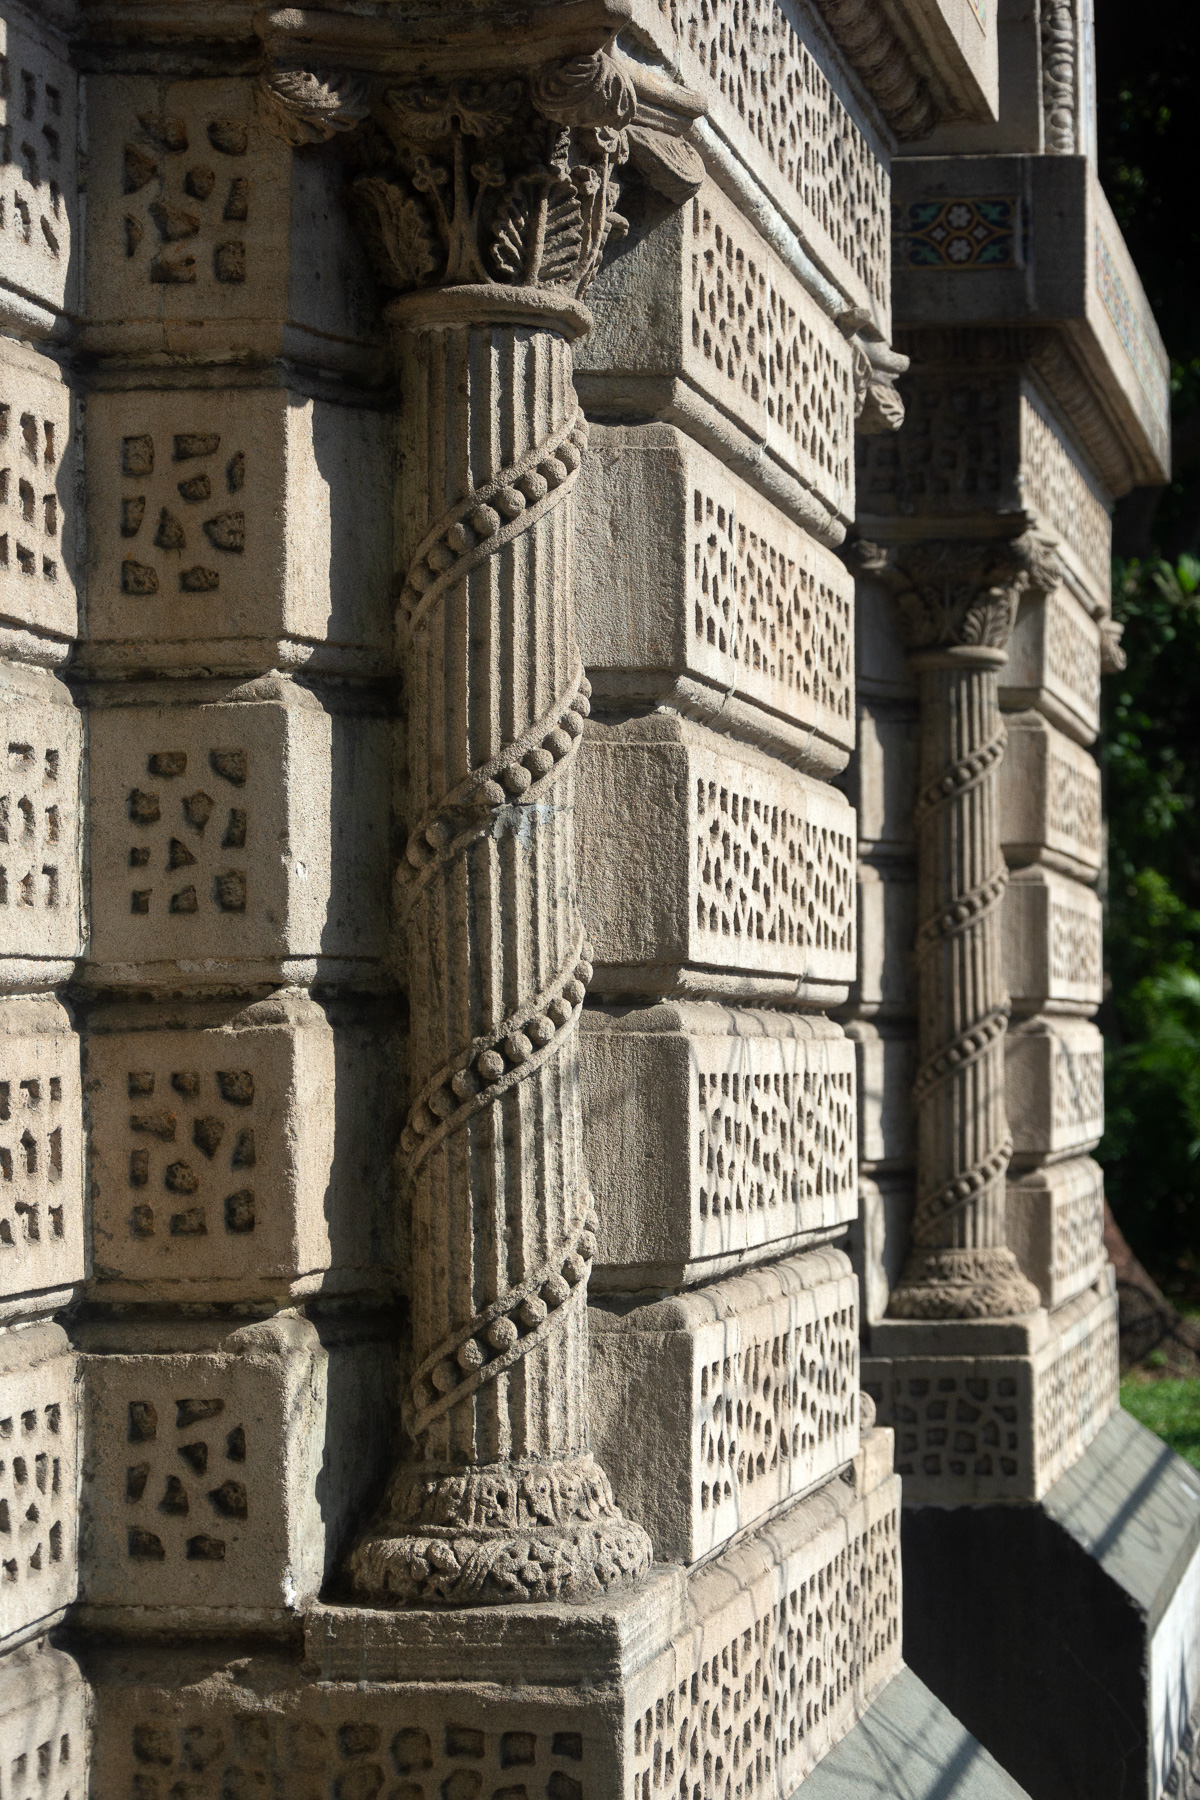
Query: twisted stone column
(486, 202)
(958, 604)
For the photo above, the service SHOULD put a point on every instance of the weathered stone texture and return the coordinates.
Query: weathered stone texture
(41, 1150)
(41, 926)
(236, 530)
(746, 1393)
(39, 270)
(38, 519)
(1056, 1227)
(39, 1480)
(236, 834)
(43, 1723)
(1055, 1075)
(1049, 799)
(1053, 958)
(224, 1473)
(713, 1135)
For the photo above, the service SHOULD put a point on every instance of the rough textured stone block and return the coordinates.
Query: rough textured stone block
(1054, 664)
(704, 298)
(39, 1475)
(996, 1426)
(693, 588)
(43, 1724)
(238, 1151)
(1056, 1227)
(712, 1134)
(881, 781)
(41, 1149)
(707, 868)
(798, 126)
(236, 528)
(1049, 799)
(41, 928)
(877, 1242)
(235, 829)
(39, 264)
(736, 1683)
(1053, 949)
(223, 1471)
(37, 497)
(200, 226)
(748, 1395)
(1063, 493)
(887, 1055)
(1055, 1088)
(887, 931)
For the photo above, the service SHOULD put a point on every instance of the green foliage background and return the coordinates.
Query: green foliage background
(1151, 1149)
(1150, 161)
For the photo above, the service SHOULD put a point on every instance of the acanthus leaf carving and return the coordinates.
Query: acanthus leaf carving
(305, 106)
(961, 593)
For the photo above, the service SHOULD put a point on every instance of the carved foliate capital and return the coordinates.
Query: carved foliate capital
(956, 594)
(499, 180)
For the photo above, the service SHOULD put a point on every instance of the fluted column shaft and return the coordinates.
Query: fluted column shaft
(502, 1500)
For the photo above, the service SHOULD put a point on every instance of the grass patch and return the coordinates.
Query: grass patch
(1170, 1408)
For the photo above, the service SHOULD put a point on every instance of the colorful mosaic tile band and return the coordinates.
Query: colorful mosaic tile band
(1130, 330)
(979, 8)
(961, 234)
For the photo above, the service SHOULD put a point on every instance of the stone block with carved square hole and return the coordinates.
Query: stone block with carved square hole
(238, 1151)
(224, 1471)
(703, 299)
(759, 1661)
(1054, 663)
(1050, 799)
(235, 830)
(39, 1475)
(1053, 948)
(1054, 1088)
(41, 927)
(236, 529)
(746, 1392)
(995, 1411)
(692, 588)
(43, 1725)
(1056, 1227)
(707, 868)
(41, 1150)
(37, 499)
(713, 1137)
(200, 230)
(39, 184)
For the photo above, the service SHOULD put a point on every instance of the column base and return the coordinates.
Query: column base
(962, 1284)
(1065, 1634)
(498, 1535)
(737, 1677)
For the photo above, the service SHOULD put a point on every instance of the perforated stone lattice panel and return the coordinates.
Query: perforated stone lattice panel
(685, 570)
(1059, 487)
(236, 1155)
(1053, 943)
(219, 1478)
(712, 1135)
(784, 1659)
(703, 297)
(786, 116)
(996, 1427)
(40, 749)
(1049, 798)
(754, 1383)
(1056, 1227)
(37, 498)
(38, 1475)
(1055, 1087)
(41, 1149)
(957, 453)
(1054, 664)
(249, 834)
(38, 182)
(43, 1726)
(335, 1742)
(713, 857)
(193, 206)
(220, 525)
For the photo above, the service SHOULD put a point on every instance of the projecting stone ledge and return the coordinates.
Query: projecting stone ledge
(909, 1747)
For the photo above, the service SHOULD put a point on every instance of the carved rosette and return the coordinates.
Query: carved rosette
(958, 603)
(486, 205)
